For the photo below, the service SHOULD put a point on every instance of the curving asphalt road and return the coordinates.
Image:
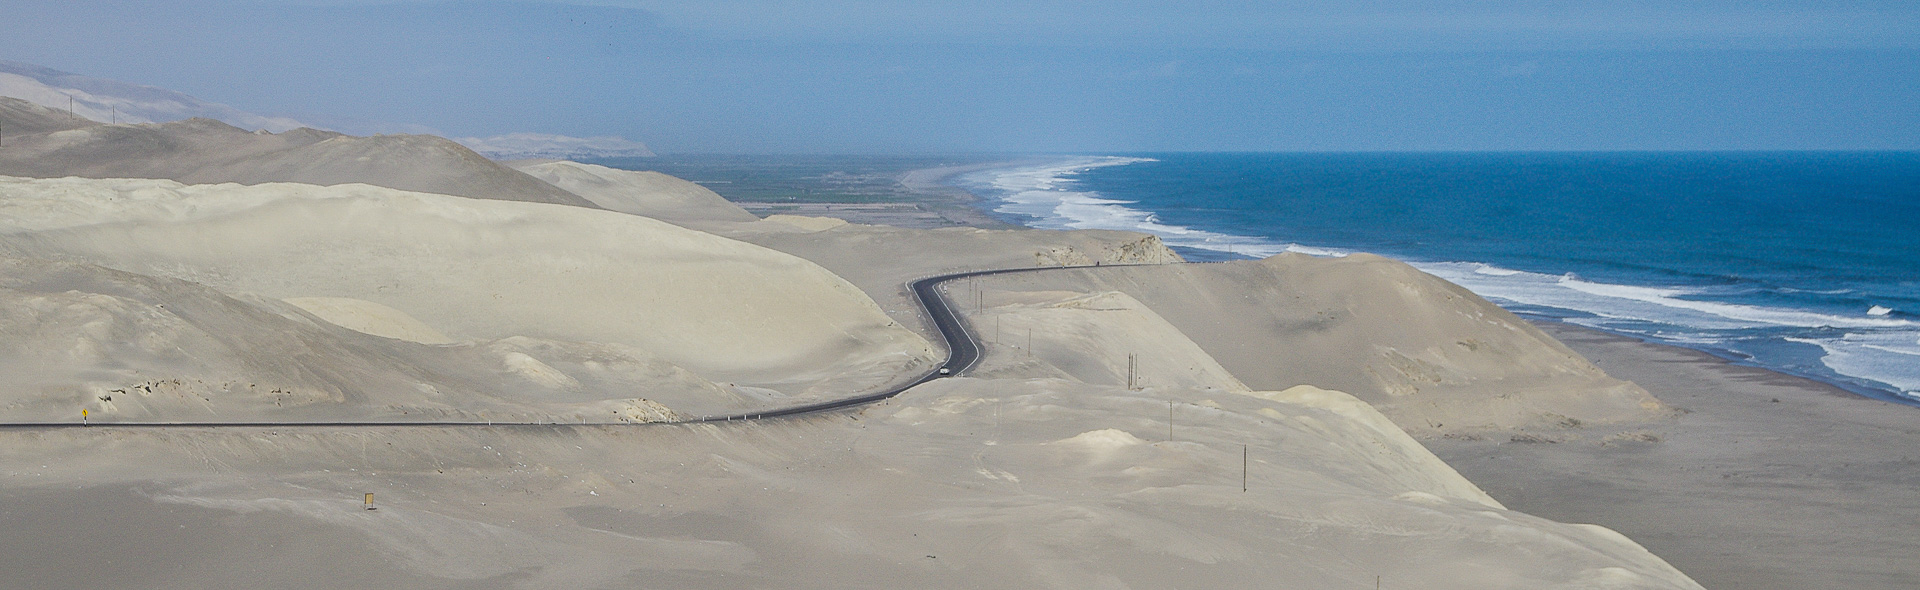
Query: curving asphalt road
(963, 351)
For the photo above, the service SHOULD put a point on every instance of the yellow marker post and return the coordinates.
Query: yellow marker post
(370, 501)
(83, 416)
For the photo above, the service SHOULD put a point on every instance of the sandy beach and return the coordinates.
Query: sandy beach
(1767, 481)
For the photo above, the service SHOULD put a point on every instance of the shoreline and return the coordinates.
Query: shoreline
(930, 180)
(1762, 480)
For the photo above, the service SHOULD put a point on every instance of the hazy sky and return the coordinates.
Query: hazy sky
(1059, 76)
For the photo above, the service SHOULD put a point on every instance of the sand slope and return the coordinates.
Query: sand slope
(21, 118)
(200, 151)
(128, 347)
(957, 484)
(483, 270)
(881, 260)
(1086, 338)
(651, 194)
(1431, 355)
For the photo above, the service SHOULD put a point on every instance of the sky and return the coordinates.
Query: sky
(936, 76)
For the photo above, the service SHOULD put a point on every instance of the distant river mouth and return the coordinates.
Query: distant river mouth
(1690, 249)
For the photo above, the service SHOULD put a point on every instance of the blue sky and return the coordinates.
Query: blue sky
(865, 76)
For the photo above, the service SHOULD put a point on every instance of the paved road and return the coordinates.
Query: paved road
(963, 351)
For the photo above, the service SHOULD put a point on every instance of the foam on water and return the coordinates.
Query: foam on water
(1878, 349)
(1043, 196)
(1892, 358)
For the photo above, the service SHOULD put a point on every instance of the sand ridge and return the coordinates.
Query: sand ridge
(484, 270)
(201, 151)
(290, 301)
(1433, 356)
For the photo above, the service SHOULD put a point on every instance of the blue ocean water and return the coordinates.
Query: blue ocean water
(1803, 262)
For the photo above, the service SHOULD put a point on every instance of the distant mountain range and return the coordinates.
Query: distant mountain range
(108, 100)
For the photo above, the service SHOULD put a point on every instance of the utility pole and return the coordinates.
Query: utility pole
(1243, 468)
(1133, 371)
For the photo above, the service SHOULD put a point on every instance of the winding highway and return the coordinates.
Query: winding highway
(963, 351)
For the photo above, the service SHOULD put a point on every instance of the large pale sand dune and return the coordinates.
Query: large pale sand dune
(1431, 355)
(129, 347)
(368, 317)
(881, 260)
(957, 484)
(198, 151)
(1086, 338)
(651, 194)
(486, 270)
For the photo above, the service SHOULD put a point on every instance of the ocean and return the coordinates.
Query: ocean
(1806, 263)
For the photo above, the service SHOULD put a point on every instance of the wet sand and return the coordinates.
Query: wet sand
(1819, 489)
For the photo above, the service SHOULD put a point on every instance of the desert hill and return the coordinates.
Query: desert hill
(1430, 354)
(205, 151)
(483, 270)
(649, 194)
(1059, 463)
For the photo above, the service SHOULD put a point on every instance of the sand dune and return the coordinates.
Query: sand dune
(367, 317)
(483, 270)
(1086, 338)
(146, 299)
(959, 483)
(1431, 355)
(141, 348)
(881, 260)
(650, 194)
(22, 118)
(199, 151)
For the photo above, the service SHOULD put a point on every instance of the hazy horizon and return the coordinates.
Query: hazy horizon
(770, 77)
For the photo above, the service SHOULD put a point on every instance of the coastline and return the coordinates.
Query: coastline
(1815, 490)
(1770, 320)
(1737, 490)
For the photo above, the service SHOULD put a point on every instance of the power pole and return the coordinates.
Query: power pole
(1169, 420)
(1133, 371)
(1243, 468)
